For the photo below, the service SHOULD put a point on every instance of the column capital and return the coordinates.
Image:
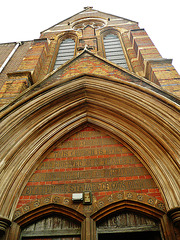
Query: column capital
(174, 214)
(4, 224)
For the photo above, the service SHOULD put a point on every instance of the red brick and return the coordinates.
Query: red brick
(144, 190)
(96, 181)
(142, 177)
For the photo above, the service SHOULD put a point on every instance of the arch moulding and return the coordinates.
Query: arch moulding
(144, 121)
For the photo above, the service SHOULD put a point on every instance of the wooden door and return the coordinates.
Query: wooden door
(52, 228)
(131, 236)
(54, 238)
(128, 225)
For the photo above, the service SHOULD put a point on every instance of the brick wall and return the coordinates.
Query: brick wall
(137, 68)
(163, 71)
(143, 46)
(22, 70)
(89, 161)
(35, 56)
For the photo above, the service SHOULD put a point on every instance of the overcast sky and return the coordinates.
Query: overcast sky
(24, 19)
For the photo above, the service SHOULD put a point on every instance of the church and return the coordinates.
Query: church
(90, 134)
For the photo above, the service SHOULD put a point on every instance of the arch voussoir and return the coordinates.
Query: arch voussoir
(130, 115)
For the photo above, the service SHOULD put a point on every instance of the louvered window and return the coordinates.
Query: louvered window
(65, 53)
(114, 51)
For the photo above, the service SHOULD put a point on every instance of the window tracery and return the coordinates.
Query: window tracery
(92, 22)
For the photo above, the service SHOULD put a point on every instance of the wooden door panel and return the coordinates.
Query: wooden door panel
(131, 236)
(53, 238)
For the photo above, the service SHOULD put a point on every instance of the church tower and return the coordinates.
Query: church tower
(90, 142)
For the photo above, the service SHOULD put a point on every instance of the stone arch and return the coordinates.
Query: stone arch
(128, 207)
(46, 206)
(57, 42)
(37, 122)
(117, 32)
(99, 209)
(69, 34)
(53, 214)
(109, 30)
(63, 206)
(130, 201)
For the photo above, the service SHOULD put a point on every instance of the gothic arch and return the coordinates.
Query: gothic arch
(54, 212)
(100, 208)
(117, 32)
(133, 207)
(58, 40)
(47, 209)
(63, 206)
(107, 206)
(109, 30)
(149, 127)
(103, 33)
(69, 34)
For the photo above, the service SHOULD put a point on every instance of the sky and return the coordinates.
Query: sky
(23, 20)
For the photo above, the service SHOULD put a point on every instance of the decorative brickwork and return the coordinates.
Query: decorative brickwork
(34, 58)
(143, 46)
(89, 127)
(89, 161)
(136, 66)
(89, 64)
(162, 70)
(27, 72)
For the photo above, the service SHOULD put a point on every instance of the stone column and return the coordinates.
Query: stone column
(4, 224)
(174, 214)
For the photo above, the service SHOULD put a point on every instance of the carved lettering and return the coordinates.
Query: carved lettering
(94, 187)
(88, 152)
(58, 164)
(90, 174)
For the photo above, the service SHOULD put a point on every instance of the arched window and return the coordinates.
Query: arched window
(114, 51)
(65, 52)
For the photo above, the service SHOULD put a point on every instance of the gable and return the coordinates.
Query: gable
(93, 66)
(90, 64)
(89, 12)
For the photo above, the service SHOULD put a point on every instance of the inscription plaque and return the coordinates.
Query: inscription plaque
(89, 161)
(58, 163)
(94, 187)
(61, 153)
(90, 174)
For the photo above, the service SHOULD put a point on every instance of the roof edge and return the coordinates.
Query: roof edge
(86, 8)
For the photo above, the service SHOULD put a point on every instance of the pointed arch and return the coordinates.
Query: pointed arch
(53, 211)
(120, 201)
(121, 209)
(113, 47)
(65, 45)
(146, 122)
(46, 210)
